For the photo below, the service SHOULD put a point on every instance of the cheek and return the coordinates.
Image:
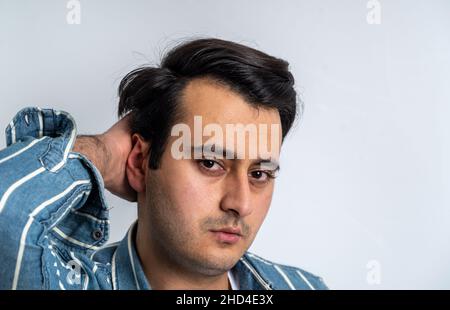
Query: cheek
(191, 195)
(261, 203)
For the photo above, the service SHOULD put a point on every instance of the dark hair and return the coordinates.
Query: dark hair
(152, 94)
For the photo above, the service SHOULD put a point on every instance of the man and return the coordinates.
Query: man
(201, 198)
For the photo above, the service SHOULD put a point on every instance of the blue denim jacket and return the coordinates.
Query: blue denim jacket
(54, 219)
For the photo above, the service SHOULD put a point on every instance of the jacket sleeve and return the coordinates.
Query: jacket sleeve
(41, 181)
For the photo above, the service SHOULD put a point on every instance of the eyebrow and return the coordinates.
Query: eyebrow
(269, 163)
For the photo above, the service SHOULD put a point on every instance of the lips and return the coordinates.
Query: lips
(229, 230)
(227, 235)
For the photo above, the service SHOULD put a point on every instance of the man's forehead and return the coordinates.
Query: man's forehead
(218, 104)
(215, 115)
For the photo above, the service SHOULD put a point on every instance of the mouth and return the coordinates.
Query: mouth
(227, 235)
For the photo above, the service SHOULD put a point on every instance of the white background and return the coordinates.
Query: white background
(365, 175)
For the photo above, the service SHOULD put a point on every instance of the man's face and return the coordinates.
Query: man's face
(191, 203)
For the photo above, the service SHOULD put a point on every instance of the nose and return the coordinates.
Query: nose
(237, 196)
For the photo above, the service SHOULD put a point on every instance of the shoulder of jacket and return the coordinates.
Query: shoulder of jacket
(280, 276)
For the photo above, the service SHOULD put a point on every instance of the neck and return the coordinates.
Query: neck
(164, 274)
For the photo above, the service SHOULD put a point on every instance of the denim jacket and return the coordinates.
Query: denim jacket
(54, 220)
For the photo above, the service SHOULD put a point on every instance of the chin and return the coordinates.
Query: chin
(216, 262)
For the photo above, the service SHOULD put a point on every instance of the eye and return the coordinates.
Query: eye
(210, 165)
(262, 176)
(257, 174)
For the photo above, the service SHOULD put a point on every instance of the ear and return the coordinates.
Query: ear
(137, 163)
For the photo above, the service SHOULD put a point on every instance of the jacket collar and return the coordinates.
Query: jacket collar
(128, 274)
